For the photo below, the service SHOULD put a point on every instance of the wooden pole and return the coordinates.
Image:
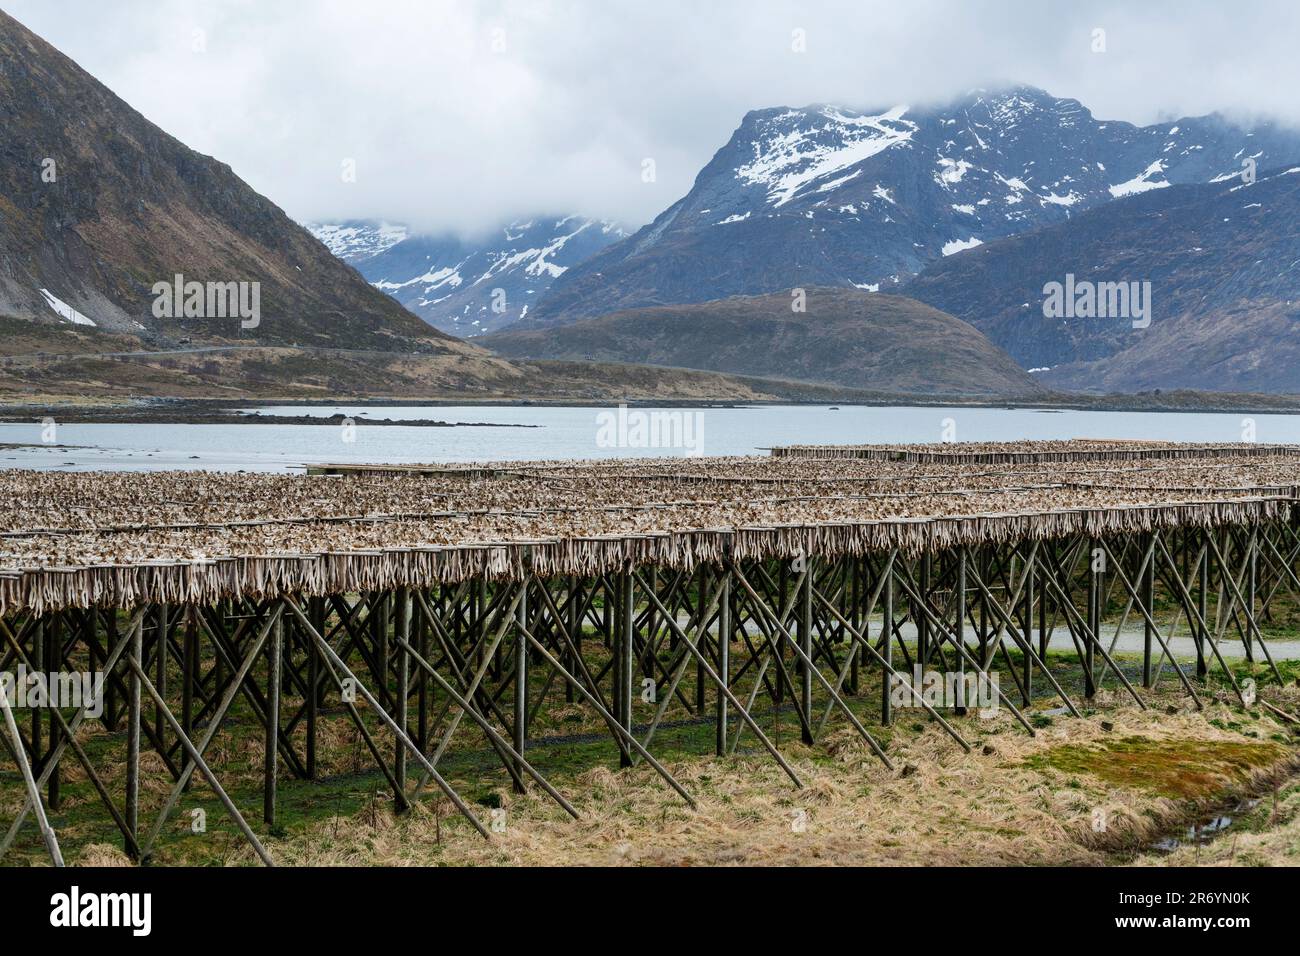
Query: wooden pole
(135, 654)
(271, 764)
(724, 660)
(521, 684)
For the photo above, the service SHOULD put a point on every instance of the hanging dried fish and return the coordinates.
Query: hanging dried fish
(83, 539)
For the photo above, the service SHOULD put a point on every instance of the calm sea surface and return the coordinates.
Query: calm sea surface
(578, 433)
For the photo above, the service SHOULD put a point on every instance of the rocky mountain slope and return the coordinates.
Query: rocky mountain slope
(469, 286)
(97, 205)
(1223, 263)
(844, 337)
(827, 196)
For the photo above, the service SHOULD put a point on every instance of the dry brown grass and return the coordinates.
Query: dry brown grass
(1016, 800)
(103, 854)
(1001, 805)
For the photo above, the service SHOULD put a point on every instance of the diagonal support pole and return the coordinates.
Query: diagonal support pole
(610, 720)
(401, 735)
(208, 775)
(69, 739)
(214, 725)
(500, 742)
(811, 669)
(33, 794)
(723, 688)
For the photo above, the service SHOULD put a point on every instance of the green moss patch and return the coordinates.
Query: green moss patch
(1179, 769)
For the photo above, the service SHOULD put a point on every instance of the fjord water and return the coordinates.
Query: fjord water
(572, 432)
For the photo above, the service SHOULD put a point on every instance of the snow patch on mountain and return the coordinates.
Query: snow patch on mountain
(829, 142)
(958, 245)
(433, 279)
(1069, 199)
(951, 170)
(1142, 182)
(65, 311)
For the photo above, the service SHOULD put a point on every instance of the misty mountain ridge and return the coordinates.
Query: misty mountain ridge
(99, 209)
(827, 196)
(469, 286)
(355, 240)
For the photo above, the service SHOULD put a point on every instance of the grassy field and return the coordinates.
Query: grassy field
(1096, 790)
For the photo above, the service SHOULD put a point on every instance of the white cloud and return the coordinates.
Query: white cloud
(447, 133)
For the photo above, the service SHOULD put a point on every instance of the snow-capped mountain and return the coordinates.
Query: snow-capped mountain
(469, 287)
(828, 196)
(358, 239)
(1216, 269)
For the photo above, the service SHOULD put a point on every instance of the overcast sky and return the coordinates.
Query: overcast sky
(459, 115)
